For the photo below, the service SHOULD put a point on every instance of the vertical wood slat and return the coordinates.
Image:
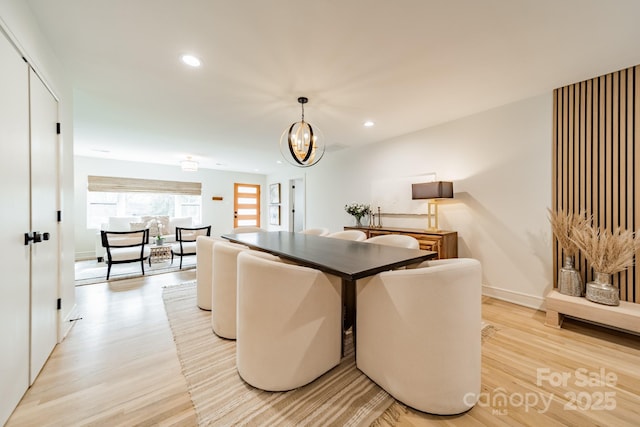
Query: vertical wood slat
(636, 164)
(594, 160)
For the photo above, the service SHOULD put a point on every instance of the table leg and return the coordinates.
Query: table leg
(348, 311)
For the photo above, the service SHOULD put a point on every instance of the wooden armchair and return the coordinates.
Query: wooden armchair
(125, 246)
(186, 241)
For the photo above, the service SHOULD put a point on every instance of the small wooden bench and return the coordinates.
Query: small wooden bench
(625, 316)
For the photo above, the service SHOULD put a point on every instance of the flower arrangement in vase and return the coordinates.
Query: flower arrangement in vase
(358, 210)
(563, 226)
(608, 252)
(159, 238)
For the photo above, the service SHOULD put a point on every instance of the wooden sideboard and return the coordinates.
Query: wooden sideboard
(443, 242)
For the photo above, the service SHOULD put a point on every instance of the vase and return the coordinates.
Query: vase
(601, 290)
(358, 223)
(569, 279)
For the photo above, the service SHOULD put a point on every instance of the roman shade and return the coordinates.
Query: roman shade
(135, 185)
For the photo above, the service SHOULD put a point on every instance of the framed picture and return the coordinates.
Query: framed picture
(274, 214)
(274, 193)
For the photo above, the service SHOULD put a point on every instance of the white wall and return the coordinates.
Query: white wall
(18, 21)
(500, 163)
(214, 183)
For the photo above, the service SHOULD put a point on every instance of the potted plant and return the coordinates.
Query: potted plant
(608, 252)
(563, 226)
(358, 210)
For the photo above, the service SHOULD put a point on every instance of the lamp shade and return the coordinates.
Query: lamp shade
(189, 165)
(432, 190)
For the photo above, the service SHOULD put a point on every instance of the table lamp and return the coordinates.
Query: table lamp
(433, 192)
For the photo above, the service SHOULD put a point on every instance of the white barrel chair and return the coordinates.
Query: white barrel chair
(355, 235)
(246, 229)
(204, 269)
(316, 231)
(224, 288)
(288, 323)
(398, 240)
(418, 334)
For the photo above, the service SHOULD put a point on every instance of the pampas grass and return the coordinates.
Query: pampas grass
(563, 226)
(607, 252)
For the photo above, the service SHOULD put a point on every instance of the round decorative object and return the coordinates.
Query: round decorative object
(601, 290)
(569, 279)
(302, 144)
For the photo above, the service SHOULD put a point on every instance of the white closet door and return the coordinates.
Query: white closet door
(44, 208)
(14, 222)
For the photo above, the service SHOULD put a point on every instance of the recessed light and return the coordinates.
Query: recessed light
(279, 162)
(368, 124)
(191, 60)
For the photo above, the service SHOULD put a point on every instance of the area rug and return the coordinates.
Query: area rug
(91, 271)
(343, 396)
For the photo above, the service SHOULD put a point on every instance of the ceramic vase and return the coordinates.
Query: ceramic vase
(601, 291)
(569, 279)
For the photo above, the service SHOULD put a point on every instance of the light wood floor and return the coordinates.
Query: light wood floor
(118, 366)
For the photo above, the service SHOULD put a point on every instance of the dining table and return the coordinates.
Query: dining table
(350, 260)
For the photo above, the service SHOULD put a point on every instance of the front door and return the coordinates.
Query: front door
(246, 205)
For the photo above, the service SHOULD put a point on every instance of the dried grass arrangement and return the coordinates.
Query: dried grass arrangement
(563, 226)
(607, 252)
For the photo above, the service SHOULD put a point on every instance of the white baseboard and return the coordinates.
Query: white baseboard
(531, 301)
(82, 256)
(67, 324)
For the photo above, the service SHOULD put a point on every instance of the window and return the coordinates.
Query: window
(108, 196)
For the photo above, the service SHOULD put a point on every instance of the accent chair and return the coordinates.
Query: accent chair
(186, 241)
(125, 246)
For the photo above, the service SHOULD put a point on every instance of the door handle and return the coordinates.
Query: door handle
(35, 238)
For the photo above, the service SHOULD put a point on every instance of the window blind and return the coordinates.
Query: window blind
(135, 185)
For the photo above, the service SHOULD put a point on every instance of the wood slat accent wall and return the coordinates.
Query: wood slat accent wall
(595, 160)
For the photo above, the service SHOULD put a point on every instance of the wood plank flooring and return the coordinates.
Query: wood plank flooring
(118, 367)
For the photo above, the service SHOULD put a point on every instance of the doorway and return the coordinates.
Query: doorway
(246, 205)
(296, 204)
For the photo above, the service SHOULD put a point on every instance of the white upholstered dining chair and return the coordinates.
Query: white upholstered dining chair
(288, 323)
(398, 240)
(204, 269)
(418, 334)
(316, 231)
(355, 235)
(246, 229)
(224, 288)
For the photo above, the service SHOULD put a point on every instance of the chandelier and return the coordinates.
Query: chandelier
(189, 165)
(301, 144)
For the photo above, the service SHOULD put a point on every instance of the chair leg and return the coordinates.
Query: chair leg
(142, 265)
(180, 262)
(108, 270)
(171, 257)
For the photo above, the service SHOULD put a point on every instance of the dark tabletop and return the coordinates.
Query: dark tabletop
(345, 258)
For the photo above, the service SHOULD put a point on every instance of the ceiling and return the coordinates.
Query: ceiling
(406, 65)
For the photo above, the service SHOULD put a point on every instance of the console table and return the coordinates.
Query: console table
(445, 243)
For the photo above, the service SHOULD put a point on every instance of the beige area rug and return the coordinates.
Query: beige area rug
(343, 396)
(89, 272)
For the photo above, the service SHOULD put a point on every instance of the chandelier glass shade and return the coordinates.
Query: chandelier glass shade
(302, 144)
(189, 165)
